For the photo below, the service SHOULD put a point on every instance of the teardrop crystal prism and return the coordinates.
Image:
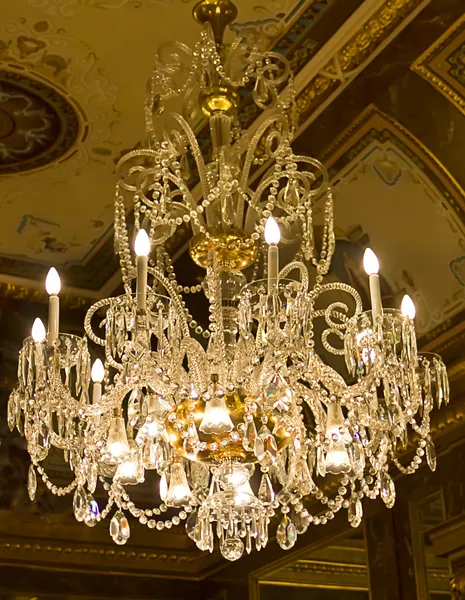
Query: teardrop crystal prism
(250, 436)
(192, 528)
(355, 512)
(259, 448)
(119, 528)
(430, 454)
(92, 474)
(388, 490)
(286, 534)
(80, 504)
(261, 90)
(265, 491)
(11, 413)
(92, 511)
(32, 483)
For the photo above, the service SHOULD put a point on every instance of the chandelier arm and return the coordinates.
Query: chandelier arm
(88, 321)
(141, 152)
(296, 265)
(252, 148)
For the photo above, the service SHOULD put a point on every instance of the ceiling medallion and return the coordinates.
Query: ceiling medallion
(247, 418)
(37, 124)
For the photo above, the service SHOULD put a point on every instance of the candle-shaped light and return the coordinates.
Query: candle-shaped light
(407, 307)
(97, 374)
(371, 266)
(142, 249)
(38, 331)
(38, 335)
(272, 237)
(53, 287)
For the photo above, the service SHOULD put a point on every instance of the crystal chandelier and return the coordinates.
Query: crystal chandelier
(293, 400)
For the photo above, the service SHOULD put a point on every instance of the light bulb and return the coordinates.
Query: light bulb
(53, 282)
(370, 262)
(334, 421)
(179, 493)
(216, 419)
(272, 232)
(337, 459)
(244, 494)
(98, 372)
(38, 331)
(408, 307)
(117, 441)
(142, 243)
(131, 470)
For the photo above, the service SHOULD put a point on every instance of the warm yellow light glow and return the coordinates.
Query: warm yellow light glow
(272, 232)
(38, 331)
(337, 460)
(370, 262)
(408, 307)
(142, 243)
(216, 419)
(117, 442)
(53, 282)
(98, 372)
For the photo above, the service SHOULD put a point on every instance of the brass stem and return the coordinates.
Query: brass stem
(219, 13)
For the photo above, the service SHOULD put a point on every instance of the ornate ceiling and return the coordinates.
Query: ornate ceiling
(381, 100)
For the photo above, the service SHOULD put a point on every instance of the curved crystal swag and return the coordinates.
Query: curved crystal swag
(247, 418)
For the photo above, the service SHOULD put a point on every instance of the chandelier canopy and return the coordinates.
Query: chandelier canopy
(293, 400)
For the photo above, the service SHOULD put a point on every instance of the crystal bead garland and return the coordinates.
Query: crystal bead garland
(243, 420)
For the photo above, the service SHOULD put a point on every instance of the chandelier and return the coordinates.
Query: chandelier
(293, 403)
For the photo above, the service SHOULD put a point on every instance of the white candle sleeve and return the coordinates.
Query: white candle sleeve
(141, 289)
(53, 318)
(273, 266)
(375, 294)
(96, 392)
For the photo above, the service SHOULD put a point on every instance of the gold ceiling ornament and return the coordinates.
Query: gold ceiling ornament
(244, 417)
(442, 64)
(348, 62)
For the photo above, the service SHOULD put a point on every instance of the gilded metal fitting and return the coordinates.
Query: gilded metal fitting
(234, 248)
(219, 13)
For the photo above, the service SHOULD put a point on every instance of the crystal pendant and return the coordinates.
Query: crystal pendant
(388, 490)
(262, 93)
(32, 483)
(430, 454)
(92, 512)
(119, 528)
(265, 491)
(80, 504)
(301, 521)
(355, 512)
(259, 448)
(192, 526)
(286, 533)
(163, 487)
(11, 413)
(250, 436)
(232, 548)
(92, 474)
